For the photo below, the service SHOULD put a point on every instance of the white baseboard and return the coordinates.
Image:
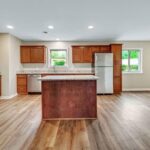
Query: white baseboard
(8, 97)
(137, 89)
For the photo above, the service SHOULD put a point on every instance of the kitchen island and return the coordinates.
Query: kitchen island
(69, 97)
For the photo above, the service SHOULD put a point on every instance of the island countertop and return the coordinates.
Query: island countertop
(69, 77)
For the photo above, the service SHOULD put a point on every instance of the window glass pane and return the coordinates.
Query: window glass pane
(125, 56)
(134, 60)
(58, 57)
(58, 62)
(58, 54)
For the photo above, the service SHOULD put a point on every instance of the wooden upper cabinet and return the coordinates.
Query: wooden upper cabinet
(84, 54)
(116, 49)
(32, 54)
(77, 54)
(95, 49)
(37, 54)
(87, 54)
(105, 49)
(25, 54)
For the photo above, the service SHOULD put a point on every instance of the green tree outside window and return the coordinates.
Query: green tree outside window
(131, 60)
(58, 57)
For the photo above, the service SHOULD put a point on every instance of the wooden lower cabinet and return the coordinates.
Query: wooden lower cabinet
(22, 81)
(22, 84)
(117, 85)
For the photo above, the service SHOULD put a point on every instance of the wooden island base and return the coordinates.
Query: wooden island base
(69, 99)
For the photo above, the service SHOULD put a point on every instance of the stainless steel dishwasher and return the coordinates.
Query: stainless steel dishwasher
(34, 85)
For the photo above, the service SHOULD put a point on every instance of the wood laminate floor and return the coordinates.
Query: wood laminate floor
(123, 124)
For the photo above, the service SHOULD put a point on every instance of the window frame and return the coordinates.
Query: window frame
(140, 60)
(49, 58)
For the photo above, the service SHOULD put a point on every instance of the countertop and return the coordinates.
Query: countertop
(57, 72)
(70, 77)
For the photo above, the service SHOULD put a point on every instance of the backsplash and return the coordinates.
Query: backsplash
(45, 68)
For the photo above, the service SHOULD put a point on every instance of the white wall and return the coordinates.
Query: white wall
(138, 81)
(14, 63)
(4, 63)
(9, 63)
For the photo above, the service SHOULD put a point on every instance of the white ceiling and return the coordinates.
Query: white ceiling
(114, 20)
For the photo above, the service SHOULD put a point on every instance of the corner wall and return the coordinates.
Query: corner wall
(9, 64)
(14, 63)
(141, 81)
(4, 63)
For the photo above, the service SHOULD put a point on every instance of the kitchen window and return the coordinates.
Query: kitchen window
(132, 60)
(58, 57)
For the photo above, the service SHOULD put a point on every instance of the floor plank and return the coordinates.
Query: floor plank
(122, 124)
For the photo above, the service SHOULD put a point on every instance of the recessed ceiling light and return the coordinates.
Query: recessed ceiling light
(10, 27)
(51, 27)
(57, 39)
(90, 27)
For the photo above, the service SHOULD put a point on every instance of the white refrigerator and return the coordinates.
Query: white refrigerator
(104, 70)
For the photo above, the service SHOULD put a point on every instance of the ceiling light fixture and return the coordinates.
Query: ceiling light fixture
(51, 27)
(10, 27)
(90, 27)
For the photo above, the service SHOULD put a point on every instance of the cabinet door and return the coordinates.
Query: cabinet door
(77, 54)
(117, 85)
(22, 84)
(95, 49)
(105, 49)
(87, 54)
(25, 54)
(117, 57)
(117, 51)
(21, 80)
(37, 54)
